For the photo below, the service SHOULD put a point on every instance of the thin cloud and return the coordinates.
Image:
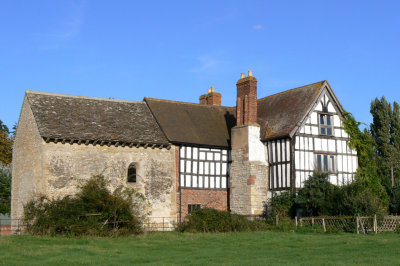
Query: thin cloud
(67, 30)
(206, 63)
(258, 27)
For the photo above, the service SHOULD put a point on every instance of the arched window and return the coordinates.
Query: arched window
(132, 173)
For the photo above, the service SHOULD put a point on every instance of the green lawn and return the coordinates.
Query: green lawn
(229, 248)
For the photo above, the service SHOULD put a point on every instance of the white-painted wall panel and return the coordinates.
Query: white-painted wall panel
(331, 109)
(318, 145)
(336, 121)
(318, 107)
(314, 118)
(331, 145)
(338, 132)
(314, 130)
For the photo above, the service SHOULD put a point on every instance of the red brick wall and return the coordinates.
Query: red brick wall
(246, 111)
(5, 230)
(212, 98)
(216, 199)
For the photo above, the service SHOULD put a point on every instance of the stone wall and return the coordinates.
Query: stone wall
(56, 170)
(66, 166)
(27, 174)
(249, 172)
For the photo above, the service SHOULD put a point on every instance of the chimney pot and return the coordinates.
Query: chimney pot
(242, 75)
(250, 73)
(212, 89)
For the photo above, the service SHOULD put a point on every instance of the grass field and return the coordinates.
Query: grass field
(229, 248)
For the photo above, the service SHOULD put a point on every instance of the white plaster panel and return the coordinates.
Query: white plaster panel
(331, 108)
(338, 132)
(324, 144)
(336, 120)
(256, 147)
(318, 145)
(331, 145)
(333, 179)
(314, 118)
(314, 130)
(307, 129)
(319, 106)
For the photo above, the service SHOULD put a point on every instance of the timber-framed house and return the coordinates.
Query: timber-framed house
(182, 156)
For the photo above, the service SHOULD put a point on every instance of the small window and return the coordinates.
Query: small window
(325, 163)
(132, 173)
(192, 207)
(325, 124)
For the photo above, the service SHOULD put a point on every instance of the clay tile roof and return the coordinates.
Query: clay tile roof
(194, 123)
(85, 118)
(280, 113)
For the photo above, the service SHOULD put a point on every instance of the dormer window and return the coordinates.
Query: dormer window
(325, 124)
(132, 173)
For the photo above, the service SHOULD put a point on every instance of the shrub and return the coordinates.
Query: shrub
(317, 196)
(395, 199)
(358, 199)
(93, 211)
(5, 188)
(281, 205)
(211, 220)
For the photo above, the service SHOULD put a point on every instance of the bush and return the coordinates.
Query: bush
(211, 220)
(358, 199)
(5, 188)
(281, 205)
(317, 196)
(395, 199)
(94, 211)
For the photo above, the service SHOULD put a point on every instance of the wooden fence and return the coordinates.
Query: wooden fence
(359, 224)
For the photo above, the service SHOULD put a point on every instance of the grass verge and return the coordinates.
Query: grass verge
(185, 248)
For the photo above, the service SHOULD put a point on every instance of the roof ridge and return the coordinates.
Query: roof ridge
(80, 97)
(322, 81)
(188, 103)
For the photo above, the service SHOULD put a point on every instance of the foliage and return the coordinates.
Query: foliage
(385, 131)
(358, 199)
(211, 220)
(395, 199)
(317, 196)
(6, 143)
(5, 188)
(367, 176)
(93, 211)
(281, 205)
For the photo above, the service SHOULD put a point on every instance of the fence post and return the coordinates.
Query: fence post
(323, 224)
(375, 225)
(357, 224)
(312, 221)
(276, 220)
(295, 220)
(163, 224)
(301, 222)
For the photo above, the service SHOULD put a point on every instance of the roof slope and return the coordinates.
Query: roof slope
(84, 118)
(279, 114)
(194, 123)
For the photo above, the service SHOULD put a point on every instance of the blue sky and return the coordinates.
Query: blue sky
(177, 49)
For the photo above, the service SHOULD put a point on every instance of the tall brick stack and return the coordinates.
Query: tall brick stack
(246, 103)
(211, 98)
(249, 168)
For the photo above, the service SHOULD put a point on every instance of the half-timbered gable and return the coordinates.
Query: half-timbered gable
(303, 133)
(321, 144)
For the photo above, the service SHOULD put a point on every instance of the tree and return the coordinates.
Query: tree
(5, 188)
(6, 142)
(385, 132)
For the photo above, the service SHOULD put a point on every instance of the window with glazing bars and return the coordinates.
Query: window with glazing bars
(326, 163)
(325, 124)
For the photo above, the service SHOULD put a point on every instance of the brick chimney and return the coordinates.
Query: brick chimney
(212, 98)
(246, 104)
(249, 168)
